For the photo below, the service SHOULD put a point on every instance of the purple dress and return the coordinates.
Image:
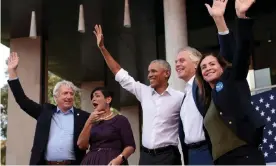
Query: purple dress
(108, 140)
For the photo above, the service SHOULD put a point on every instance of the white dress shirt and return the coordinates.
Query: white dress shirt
(160, 112)
(191, 118)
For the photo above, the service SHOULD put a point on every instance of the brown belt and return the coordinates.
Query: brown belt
(64, 162)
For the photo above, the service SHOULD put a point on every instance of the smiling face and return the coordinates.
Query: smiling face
(158, 75)
(99, 101)
(185, 66)
(65, 97)
(211, 70)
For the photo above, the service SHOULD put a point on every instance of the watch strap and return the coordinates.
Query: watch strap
(123, 157)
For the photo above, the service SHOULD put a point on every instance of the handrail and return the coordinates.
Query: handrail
(263, 88)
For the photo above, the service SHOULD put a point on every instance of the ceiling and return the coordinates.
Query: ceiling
(15, 21)
(75, 56)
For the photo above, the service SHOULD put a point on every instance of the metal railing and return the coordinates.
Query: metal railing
(263, 88)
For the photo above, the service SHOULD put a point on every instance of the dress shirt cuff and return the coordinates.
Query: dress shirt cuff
(120, 75)
(224, 33)
(13, 79)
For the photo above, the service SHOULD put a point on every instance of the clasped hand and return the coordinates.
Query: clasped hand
(95, 116)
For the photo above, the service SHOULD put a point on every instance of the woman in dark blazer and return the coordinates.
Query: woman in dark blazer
(234, 130)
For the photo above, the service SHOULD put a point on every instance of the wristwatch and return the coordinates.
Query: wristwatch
(123, 157)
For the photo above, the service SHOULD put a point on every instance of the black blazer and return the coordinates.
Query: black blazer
(43, 114)
(227, 50)
(232, 96)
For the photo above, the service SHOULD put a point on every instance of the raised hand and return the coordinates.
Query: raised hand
(99, 35)
(242, 6)
(217, 9)
(13, 61)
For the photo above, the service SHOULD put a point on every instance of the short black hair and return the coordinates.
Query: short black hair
(106, 93)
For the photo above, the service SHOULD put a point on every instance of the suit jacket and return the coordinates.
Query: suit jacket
(43, 114)
(238, 55)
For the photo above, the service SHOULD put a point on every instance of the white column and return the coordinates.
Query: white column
(175, 35)
(21, 126)
(86, 89)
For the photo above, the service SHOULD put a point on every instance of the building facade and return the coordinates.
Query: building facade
(158, 30)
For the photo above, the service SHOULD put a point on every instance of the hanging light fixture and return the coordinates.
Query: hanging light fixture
(127, 21)
(269, 40)
(33, 33)
(81, 27)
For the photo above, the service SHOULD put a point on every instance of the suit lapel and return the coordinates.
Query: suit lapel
(49, 114)
(194, 90)
(76, 124)
(197, 100)
(46, 121)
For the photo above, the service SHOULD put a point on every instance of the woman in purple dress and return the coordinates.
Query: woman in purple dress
(109, 136)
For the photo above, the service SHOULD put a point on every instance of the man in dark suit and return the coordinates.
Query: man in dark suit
(58, 127)
(193, 138)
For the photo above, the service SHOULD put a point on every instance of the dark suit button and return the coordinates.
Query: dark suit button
(230, 122)
(220, 113)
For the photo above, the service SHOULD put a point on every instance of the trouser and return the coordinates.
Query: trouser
(162, 156)
(199, 154)
(244, 155)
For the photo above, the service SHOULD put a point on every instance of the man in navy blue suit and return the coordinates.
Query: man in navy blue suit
(58, 126)
(195, 148)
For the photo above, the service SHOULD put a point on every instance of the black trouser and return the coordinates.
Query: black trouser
(162, 156)
(244, 155)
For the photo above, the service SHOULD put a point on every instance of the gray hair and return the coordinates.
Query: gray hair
(65, 83)
(194, 55)
(164, 64)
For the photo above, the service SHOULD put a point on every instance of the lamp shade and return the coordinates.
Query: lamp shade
(81, 27)
(33, 33)
(127, 21)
